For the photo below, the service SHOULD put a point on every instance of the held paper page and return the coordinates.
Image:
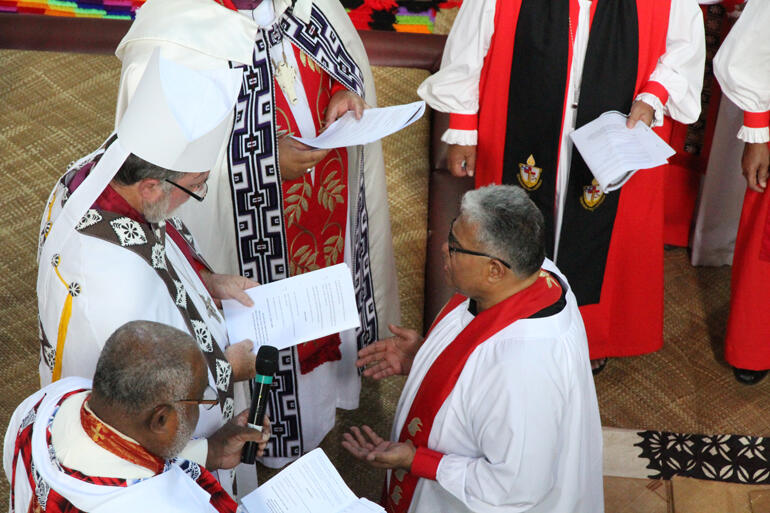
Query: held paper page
(309, 485)
(614, 153)
(375, 123)
(296, 309)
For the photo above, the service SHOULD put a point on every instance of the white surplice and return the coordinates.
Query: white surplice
(171, 491)
(455, 87)
(520, 430)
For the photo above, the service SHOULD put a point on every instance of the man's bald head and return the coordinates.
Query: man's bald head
(144, 363)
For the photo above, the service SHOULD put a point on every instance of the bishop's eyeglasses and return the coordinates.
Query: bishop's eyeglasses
(210, 398)
(202, 188)
(455, 247)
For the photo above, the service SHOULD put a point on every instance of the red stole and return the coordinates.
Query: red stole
(107, 438)
(445, 370)
(494, 86)
(56, 503)
(110, 440)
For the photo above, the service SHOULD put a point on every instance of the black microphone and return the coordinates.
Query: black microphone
(267, 365)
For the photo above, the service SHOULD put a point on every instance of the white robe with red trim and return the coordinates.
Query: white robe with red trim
(520, 431)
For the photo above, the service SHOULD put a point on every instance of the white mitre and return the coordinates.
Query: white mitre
(178, 119)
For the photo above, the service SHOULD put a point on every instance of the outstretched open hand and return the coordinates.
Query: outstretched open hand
(392, 355)
(368, 446)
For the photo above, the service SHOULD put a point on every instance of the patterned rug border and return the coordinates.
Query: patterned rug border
(650, 454)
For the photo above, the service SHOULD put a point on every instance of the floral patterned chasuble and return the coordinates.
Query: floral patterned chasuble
(315, 205)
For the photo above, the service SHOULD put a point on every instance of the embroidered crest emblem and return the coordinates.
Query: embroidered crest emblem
(414, 426)
(129, 232)
(227, 409)
(89, 219)
(158, 257)
(203, 336)
(223, 374)
(181, 295)
(530, 176)
(592, 196)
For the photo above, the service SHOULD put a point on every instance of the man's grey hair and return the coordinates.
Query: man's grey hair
(509, 226)
(144, 363)
(136, 169)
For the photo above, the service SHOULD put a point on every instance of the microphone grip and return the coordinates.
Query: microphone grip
(256, 414)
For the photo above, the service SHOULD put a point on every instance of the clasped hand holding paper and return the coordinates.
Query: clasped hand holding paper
(309, 485)
(614, 152)
(375, 123)
(295, 310)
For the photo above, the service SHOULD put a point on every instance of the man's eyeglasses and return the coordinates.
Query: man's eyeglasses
(455, 247)
(210, 398)
(204, 188)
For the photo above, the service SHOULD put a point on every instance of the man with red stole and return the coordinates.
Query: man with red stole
(742, 67)
(517, 77)
(112, 445)
(499, 410)
(277, 208)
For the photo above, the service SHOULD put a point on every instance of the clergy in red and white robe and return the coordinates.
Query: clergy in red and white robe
(519, 76)
(59, 457)
(258, 223)
(519, 429)
(742, 67)
(499, 410)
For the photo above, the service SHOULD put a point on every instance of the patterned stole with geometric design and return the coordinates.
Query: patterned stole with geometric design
(257, 195)
(318, 40)
(442, 375)
(150, 246)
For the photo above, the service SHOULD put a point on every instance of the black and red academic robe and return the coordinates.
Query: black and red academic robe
(611, 246)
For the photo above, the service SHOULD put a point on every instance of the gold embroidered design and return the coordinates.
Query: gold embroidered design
(548, 278)
(396, 495)
(414, 426)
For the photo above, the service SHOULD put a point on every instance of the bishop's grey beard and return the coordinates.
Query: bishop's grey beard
(155, 212)
(184, 432)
